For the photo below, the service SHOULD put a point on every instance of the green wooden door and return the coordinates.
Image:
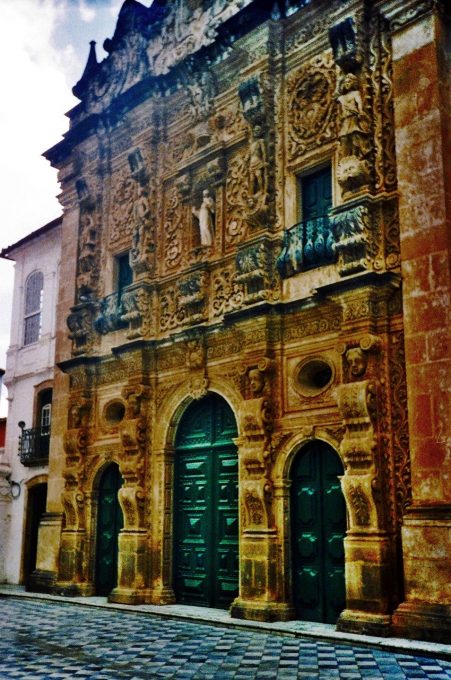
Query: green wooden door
(206, 505)
(109, 523)
(316, 194)
(318, 526)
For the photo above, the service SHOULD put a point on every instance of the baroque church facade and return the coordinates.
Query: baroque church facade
(248, 406)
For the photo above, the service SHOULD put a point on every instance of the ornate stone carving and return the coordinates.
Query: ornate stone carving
(173, 228)
(355, 238)
(205, 215)
(311, 105)
(185, 303)
(124, 191)
(142, 252)
(357, 404)
(354, 169)
(360, 505)
(88, 253)
(253, 267)
(80, 324)
(187, 29)
(198, 386)
(137, 310)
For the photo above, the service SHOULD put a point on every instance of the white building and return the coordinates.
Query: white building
(29, 378)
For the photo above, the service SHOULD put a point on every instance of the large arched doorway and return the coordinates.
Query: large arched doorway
(36, 503)
(109, 523)
(206, 505)
(318, 526)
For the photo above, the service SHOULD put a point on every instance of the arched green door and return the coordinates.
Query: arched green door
(109, 523)
(206, 505)
(318, 526)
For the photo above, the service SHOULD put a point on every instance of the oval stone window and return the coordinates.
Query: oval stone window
(313, 376)
(114, 412)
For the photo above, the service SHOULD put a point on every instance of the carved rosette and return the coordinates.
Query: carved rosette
(311, 105)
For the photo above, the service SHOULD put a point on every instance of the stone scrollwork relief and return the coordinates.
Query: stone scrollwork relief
(81, 329)
(357, 403)
(124, 190)
(134, 439)
(355, 238)
(227, 292)
(88, 264)
(185, 303)
(253, 272)
(256, 449)
(311, 105)
(174, 224)
(137, 310)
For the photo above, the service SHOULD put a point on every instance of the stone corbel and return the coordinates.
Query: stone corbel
(357, 405)
(252, 101)
(132, 501)
(258, 495)
(136, 396)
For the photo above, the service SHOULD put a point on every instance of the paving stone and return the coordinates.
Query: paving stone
(56, 641)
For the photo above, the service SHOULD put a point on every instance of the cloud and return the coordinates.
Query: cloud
(87, 14)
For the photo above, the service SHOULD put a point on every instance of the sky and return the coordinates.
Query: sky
(44, 45)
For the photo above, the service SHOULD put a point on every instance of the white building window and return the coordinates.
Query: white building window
(33, 307)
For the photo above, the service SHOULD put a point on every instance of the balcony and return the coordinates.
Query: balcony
(306, 245)
(34, 446)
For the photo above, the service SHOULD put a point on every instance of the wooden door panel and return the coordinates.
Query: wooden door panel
(318, 524)
(206, 506)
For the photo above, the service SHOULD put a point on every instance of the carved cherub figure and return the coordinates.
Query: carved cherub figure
(257, 381)
(357, 361)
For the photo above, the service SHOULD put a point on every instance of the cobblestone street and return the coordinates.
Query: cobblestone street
(54, 640)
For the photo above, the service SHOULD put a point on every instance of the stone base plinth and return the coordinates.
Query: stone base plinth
(68, 589)
(128, 596)
(41, 581)
(422, 621)
(160, 596)
(363, 623)
(262, 611)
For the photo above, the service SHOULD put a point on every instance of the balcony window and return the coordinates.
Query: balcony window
(310, 243)
(33, 307)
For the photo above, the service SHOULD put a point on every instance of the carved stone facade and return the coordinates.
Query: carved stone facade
(192, 150)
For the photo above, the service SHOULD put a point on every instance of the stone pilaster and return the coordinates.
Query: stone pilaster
(422, 117)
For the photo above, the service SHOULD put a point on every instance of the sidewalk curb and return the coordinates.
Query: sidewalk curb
(216, 617)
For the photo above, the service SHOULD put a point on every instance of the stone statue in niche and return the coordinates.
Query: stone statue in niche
(206, 216)
(257, 162)
(354, 125)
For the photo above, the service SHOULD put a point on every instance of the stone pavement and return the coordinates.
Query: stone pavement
(48, 638)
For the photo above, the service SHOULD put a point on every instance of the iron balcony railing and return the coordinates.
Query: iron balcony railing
(306, 245)
(34, 446)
